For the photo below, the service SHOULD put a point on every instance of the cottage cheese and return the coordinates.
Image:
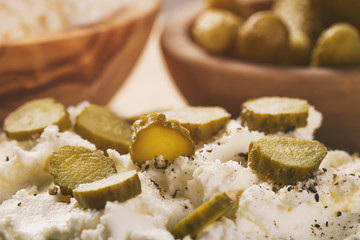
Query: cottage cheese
(326, 206)
(23, 18)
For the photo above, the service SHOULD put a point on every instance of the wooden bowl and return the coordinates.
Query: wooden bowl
(85, 63)
(205, 79)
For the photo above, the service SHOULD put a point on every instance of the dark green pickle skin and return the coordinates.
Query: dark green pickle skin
(104, 128)
(288, 170)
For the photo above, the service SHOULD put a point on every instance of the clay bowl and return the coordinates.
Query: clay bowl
(85, 63)
(205, 79)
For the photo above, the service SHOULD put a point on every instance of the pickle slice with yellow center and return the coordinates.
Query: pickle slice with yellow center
(31, 118)
(274, 114)
(72, 166)
(202, 122)
(154, 136)
(203, 216)
(285, 160)
(104, 128)
(118, 187)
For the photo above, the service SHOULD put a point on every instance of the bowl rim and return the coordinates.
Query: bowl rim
(178, 42)
(130, 12)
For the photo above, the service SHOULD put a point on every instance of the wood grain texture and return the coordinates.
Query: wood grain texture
(205, 79)
(86, 63)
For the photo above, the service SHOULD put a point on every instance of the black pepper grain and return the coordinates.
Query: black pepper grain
(156, 185)
(317, 197)
(174, 195)
(338, 214)
(312, 189)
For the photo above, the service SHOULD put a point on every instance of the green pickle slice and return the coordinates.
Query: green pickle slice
(118, 187)
(337, 47)
(154, 136)
(274, 114)
(72, 165)
(215, 29)
(104, 128)
(202, 122)
(203, 216)
(31, 118)
(285, 160)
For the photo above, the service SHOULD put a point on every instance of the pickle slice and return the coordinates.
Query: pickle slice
(31, 118)
(274, 114)
(215, 30)
(285, 160)
(202, 122)
(338, 46)
(72, 166)
(263, 38)
(203, 216)
(154, 136)
(118, 187)
(104, 128)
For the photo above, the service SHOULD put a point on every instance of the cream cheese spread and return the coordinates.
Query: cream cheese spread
(326, 206)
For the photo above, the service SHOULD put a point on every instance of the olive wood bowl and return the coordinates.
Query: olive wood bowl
(83, 63)
(206, 79)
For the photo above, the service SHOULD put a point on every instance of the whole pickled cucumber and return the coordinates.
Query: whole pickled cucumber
(71, 166)
(239, 7)
(202, 122)
(304, 27)
(274, 114)
(154, 136)
(263, 38)
(118, 187)
(215, 30)
(285, 160)
(31, 118)
(229, 5)
(202, 216)
(337, 47)
(104, 128)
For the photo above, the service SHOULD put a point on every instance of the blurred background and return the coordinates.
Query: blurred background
(171, 4)
(150, 87)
